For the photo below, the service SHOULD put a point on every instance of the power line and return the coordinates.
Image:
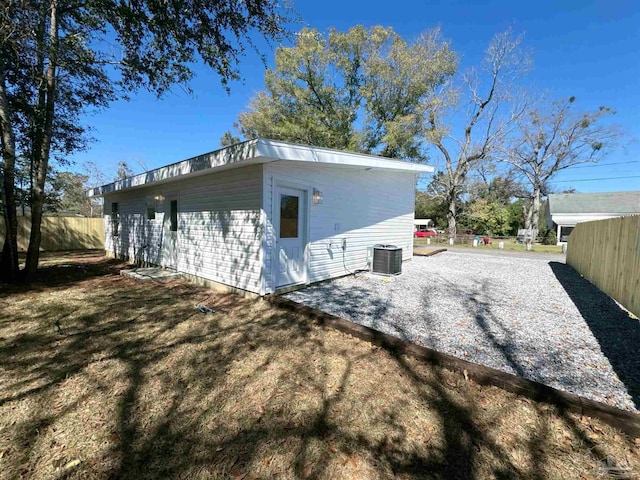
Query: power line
(593, 179)
(564, 173)
(606, 164)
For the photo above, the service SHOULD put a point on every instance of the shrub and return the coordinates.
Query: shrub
(550, 237)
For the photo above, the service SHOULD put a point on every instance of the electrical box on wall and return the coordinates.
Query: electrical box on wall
(370, 258)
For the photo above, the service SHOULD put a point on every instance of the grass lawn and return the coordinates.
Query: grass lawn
(103, 377)
(508, 245)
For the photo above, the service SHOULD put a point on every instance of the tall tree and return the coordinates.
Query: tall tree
(485, 108)
(69, 188)
(553, 139)
(362, 90)
(123, 170)
(95, 177)
(9, 12)
(57, 61)
(431, 202)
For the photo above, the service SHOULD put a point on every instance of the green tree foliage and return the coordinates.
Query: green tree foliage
(431, 202)
(361, 90)
(229, 139)
(433, 207)
(494, 194)
(58, 62)
(502, 189)
(516, 216)
(488, 217)
(549, 237)
(68, 188)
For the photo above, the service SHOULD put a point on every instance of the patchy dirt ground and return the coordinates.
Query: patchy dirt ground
(102, 377)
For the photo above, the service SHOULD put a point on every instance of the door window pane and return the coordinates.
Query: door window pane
(289, 213)
(174, 215)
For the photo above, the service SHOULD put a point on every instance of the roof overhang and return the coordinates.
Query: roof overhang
(254, 152)
(571, 219)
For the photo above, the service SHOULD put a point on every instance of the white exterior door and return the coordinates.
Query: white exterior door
(169, 248)
(290, 236)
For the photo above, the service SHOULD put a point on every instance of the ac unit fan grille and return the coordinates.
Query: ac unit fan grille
(387, 260)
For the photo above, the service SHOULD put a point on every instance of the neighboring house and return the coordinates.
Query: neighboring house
(263, 214)
(565, 210)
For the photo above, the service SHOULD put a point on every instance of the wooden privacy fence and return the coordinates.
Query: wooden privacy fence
(607, 253)
(61, 233)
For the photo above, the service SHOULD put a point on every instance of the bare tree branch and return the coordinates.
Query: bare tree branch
(551, 139)
(490, 116)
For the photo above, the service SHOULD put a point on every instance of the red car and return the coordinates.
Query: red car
(429, 232)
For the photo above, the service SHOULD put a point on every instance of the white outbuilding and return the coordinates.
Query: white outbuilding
(263, 215)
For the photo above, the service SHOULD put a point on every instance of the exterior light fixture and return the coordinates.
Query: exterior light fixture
(317, 197)
(158, 200)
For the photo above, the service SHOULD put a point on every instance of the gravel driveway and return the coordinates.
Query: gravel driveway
(531, 317)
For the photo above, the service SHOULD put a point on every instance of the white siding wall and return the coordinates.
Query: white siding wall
(133, 226)
(219, 233)
(109, 244)
(224, 235)
(365, 207)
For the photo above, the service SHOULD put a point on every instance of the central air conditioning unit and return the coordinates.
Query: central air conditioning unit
(385, 259)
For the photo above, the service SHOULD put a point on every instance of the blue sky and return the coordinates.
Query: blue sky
(587, 49)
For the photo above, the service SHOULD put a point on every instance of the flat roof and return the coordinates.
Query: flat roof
(257, 151)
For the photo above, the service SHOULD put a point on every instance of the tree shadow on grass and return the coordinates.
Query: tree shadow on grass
(64, 269)
(617, 332)
(250, 391)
